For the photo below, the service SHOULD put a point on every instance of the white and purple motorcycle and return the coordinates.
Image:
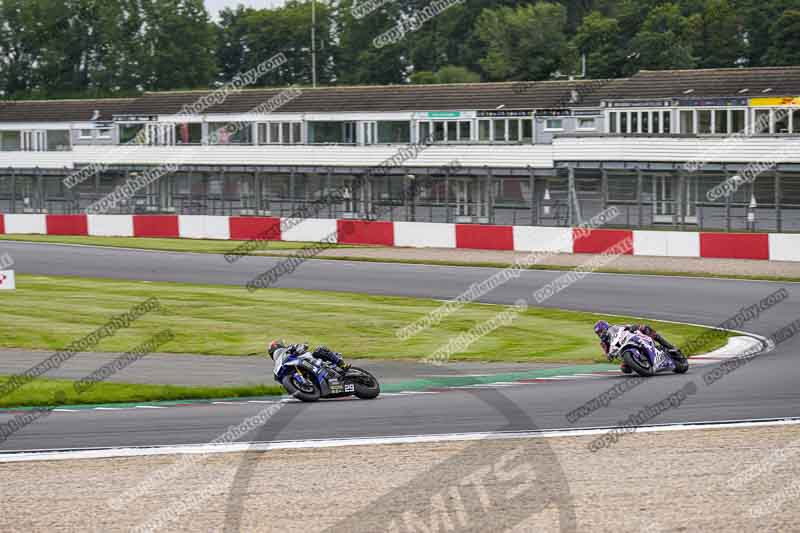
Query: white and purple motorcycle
(643, 356)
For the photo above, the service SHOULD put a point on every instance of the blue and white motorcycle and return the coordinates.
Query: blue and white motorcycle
(643, 356)
(308, 379)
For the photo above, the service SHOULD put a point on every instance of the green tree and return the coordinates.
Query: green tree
(528, 42)
(599, 37)
(357, 60)
(447, 74)
(454, 74)
(21, 42)
(91, 49)
(785, 46)
(424, 77)
(178, 43)
(663, 42)
(716, 35)
(231, 50)
(248, 37)
(758, 18)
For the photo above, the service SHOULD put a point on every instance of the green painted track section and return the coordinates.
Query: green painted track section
(416, 385)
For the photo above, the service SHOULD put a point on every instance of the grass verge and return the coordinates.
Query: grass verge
(42, 392)
(207, 246)
(51, 312)
(559, 268)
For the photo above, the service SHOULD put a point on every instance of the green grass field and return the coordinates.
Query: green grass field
(42, 392)
(171, 245)
(50, 312)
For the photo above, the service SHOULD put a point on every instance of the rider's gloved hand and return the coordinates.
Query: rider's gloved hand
(343, 364)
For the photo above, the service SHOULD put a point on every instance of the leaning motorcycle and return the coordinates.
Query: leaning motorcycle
(308, 379)
(642, 354)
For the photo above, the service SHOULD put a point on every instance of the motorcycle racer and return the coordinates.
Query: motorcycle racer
(606, 332)
(322, 352)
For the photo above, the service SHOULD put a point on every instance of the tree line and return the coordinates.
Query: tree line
(94, 48)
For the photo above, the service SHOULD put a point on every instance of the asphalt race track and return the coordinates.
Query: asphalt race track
(768, 387)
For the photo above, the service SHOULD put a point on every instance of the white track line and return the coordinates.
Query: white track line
(15, 457)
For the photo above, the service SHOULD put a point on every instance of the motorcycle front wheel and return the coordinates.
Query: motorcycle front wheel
(308, 392)
(639, 362)
(366, 385)
(681, 364)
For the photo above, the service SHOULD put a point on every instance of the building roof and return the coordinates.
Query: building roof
(387, 98)
(708, 83)
(666, 84)
(61, 110)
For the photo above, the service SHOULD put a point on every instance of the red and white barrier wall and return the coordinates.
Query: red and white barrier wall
(764, 246)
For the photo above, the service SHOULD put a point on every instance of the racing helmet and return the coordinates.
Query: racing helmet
(601, 328)
(274, 346)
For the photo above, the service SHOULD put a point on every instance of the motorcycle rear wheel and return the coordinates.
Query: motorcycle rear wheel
(366, 385)
(638, 362)
(310, 393)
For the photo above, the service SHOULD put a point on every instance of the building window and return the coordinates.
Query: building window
(738, 121)
(613, 117)
(230, 133)
(485, 130)
(655, 126)
(464, 131)
(721, 121)
(87, 134)
(635, 122)
(331, 132)
(58, 141)
(782, 121)
(499, 130)
(704, 122)
(587, 124)
(104, 133)
(761, 124)
(131, 134)
(687, 122)
(425, 132)
(667, 122)
(280, 133)
(452, 131)
(513, 130)
(10, 141)
(189, 133)
(795, 120)
(438, 131)
(623, 122)
(554, 124)
(527, 131)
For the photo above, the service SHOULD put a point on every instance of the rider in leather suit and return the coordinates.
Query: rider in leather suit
(606, 333)
(322, 352)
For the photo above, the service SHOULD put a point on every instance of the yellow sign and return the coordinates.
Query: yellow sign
(772, 102)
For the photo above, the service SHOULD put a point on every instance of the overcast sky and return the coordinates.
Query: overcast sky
(214, 6)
